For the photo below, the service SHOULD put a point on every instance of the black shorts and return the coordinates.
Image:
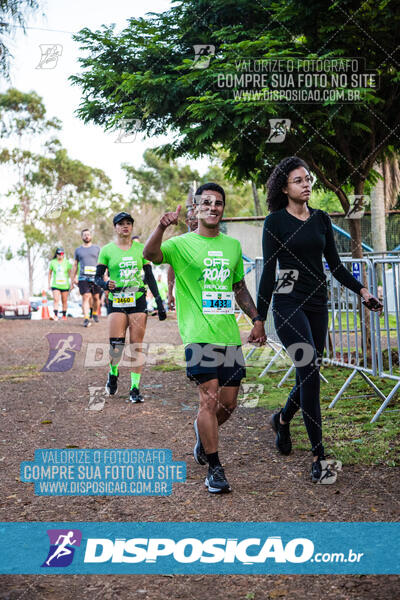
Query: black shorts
(60, 289)
(88, 287)
(209, 361)
(141, 307)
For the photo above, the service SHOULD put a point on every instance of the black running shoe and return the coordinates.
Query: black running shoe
(112, 384)
(198, 451)
(283, 441)
(86, 323)
(95, 318)
(216, 481)
(135, 396)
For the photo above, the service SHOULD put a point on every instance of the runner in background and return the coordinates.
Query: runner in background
(209, 277)
(124, 261)
(59, 281)
(86, 260)
(153, 293)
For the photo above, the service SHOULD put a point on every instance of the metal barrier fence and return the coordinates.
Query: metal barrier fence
(357, 339)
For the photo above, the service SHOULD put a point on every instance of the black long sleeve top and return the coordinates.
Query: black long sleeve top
(298, 246)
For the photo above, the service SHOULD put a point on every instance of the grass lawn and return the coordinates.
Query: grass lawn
(348, 434)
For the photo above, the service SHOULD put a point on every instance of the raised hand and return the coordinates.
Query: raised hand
(170, 218)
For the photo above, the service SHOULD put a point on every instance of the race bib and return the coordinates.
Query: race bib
(89, 270)
(126, 299)
(61, 278)
(218, 303)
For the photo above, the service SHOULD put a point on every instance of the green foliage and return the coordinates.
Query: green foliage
(145, 72)
(164, 184)
(52, 195)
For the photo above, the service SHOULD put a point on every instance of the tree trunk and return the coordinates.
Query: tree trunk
(257, 205)
(378, 223)
(30, 269)
(356, 239)
(357, 252)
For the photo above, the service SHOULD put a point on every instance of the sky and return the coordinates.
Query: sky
(88, 143)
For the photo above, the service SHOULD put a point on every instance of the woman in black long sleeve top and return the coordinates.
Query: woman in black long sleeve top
(297, 236)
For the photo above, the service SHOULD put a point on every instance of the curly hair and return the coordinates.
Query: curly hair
(276, 199)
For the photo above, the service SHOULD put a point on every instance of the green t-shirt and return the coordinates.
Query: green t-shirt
(124, 266)
(60, 276)
(205, 271)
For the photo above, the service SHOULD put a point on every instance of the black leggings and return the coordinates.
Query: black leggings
(303, 333)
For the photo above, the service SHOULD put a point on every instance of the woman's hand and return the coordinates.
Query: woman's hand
(257, 334)
(371, 302)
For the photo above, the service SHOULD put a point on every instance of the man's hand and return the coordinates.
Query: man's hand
(170, 218)
(257, 334)
(171, 302)
(111, 285)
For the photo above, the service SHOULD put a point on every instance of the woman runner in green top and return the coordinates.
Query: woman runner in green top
(124, 261)
(59, 281)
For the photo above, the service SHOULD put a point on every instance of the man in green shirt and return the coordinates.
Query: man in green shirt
(209, 274)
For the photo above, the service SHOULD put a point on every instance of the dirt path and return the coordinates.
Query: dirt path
(266, 487)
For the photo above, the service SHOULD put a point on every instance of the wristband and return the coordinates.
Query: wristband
(256, 318)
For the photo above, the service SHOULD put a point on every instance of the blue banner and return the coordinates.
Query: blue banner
(207, 548)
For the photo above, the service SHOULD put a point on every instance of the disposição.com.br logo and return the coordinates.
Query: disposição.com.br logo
(62, 550)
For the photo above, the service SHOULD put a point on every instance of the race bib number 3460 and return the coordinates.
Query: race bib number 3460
(218, 303)
(123, 299)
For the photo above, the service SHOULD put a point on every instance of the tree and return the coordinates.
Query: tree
(12, 15)
(51, 192)
(164, 184)
(148, 73)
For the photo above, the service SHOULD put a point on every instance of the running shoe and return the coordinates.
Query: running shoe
(95, 318)
(216, 481)
(321, 472)
(112, 384)
(64, 318)
(135, 396)
(283, 441)
(86, 323)
(198, 451)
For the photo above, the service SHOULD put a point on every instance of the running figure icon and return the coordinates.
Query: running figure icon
(63, 348)
(62, 549)
(287, 279)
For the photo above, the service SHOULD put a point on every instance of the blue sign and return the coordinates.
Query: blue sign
(206, 548)
(356, 270)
